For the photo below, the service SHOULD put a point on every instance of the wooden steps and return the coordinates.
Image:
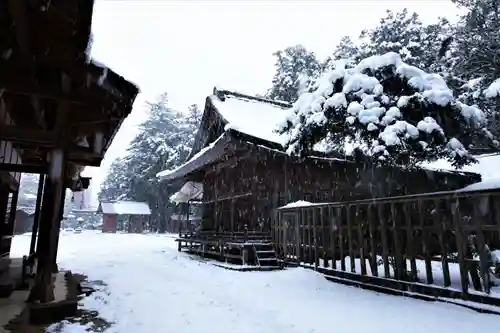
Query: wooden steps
(252, 248)
(265, 255)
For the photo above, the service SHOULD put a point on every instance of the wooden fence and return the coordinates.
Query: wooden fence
(440, 244)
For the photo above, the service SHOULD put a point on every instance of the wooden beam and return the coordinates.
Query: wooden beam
(44, 139)
(232, 197)
(26, 168)
(26, 136)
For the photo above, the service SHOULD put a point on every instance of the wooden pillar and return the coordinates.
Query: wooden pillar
(36, 218)
(231, 207)
(12, 220)
(4, 198)
(55, 268)
(42, 290)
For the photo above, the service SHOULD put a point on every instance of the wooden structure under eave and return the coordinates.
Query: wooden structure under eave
(239, 160)
(59, 112)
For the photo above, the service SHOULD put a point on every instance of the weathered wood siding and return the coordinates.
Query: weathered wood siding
(109, 223)
(249, 184)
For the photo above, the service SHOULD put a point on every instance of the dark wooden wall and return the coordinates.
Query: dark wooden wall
(245, 191)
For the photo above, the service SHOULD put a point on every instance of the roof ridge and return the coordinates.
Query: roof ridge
(221, 93)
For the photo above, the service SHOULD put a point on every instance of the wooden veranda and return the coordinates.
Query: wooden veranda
(59, 112)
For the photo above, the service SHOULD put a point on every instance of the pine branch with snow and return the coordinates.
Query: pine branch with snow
(396, 113)
(295, 67)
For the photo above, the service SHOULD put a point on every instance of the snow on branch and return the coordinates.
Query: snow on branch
(397, 113)
(493, 90)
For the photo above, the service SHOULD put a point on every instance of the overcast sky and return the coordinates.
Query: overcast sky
(187, 47)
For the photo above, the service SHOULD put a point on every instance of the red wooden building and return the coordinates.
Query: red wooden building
(134, 215)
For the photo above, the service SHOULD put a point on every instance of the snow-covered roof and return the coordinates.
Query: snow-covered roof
(189, 191)
(489, 184)
(254, 116)
(488, 166)
(301, 203)
(208, 154)
(124, 208)
(27, 210)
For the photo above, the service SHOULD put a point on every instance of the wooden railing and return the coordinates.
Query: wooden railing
(240, 236)
(444, 239)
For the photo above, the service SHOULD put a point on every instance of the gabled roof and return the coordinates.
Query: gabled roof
(255, 116)
(124, 208)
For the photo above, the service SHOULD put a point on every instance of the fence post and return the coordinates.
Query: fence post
(315, 236)
(341, 237)
(400, 266)
(284, 226)
(483, 256)
(333, 236)
(457, 221)
(383, 236)
(425, 244)
(409, 240)
(297, 237)
(349, 239)
(361, 245)
(373, 249)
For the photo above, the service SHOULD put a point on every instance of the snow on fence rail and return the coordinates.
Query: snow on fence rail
(440, 244)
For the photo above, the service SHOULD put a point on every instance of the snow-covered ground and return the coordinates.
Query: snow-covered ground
(153, 288)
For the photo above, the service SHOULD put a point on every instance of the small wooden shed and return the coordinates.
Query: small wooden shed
(136, 213)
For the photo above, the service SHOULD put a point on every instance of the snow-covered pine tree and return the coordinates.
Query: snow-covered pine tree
(295, 67)
(476, 43)
(403, 33)
(471, 56)
(164, 141)
(396, 113)
(116, 185)
(346, 50)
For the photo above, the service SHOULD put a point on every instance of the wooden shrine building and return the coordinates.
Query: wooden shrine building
(137, 215)
(59, 112)
(238, 160)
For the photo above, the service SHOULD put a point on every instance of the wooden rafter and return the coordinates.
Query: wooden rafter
(18, 12)
(19, 78)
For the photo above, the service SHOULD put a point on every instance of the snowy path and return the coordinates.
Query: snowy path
(153, 288)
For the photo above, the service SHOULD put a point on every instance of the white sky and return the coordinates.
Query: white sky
(187, 47)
